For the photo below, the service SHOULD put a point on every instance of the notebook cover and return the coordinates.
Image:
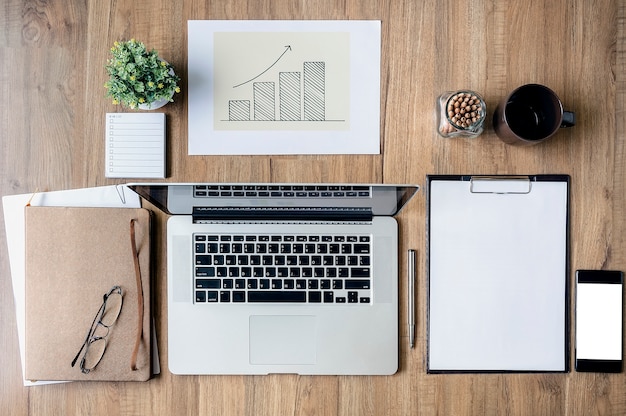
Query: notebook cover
(74, 256)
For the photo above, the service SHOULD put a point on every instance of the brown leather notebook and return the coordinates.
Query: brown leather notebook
(74, 257)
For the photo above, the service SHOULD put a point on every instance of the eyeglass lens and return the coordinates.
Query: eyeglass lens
(112, 309)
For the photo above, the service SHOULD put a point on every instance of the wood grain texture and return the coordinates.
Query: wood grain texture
(52, 57)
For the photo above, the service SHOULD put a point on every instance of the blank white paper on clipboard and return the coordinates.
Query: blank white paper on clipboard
(498, 274)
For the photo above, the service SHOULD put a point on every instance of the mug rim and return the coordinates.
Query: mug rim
(555, 99)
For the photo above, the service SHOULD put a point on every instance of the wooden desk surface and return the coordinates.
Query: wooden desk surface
(52, 55)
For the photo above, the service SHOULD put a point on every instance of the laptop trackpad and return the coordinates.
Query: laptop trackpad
(283, 339)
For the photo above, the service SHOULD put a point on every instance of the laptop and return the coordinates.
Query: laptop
(281, 278)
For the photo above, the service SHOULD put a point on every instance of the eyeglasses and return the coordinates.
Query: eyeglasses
(95, 342)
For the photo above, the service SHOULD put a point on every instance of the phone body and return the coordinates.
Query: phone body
(599, 311)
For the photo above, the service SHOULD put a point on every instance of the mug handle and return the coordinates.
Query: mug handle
(569, 119)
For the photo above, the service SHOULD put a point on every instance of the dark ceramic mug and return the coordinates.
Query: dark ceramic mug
(529, 115)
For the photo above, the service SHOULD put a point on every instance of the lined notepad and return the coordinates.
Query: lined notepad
(135, 145)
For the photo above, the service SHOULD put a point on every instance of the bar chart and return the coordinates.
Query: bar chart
(301, 96)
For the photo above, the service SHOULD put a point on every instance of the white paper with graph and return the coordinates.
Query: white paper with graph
(284, 87)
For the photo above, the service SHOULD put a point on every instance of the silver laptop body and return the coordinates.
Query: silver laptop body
(335, 312)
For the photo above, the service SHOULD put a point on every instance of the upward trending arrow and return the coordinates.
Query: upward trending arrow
(287, 48)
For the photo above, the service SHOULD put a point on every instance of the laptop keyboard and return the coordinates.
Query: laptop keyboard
(282, 268)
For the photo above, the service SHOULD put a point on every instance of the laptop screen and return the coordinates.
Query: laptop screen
(186, 199)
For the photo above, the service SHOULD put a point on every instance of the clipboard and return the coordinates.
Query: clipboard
(498, 273)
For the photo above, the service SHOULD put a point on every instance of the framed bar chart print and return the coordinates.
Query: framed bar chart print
(284, 87)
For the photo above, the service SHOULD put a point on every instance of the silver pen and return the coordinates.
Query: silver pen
(411, 296)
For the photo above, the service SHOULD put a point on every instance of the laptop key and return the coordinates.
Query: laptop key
(362, 248)
(357, 284)
(360, 272)
(315, 297)
(353, 297)
(205, 271)
(277, 296)
(208, 283)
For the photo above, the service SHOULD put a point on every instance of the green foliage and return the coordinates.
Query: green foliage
(137, 76)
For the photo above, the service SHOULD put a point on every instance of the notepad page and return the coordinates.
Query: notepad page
(135, 145)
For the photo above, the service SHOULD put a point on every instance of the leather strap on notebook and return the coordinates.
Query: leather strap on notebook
(133, 359)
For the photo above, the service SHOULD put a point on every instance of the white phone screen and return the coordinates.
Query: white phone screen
(599, 321)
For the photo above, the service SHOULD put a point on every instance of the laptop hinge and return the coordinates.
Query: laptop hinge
(281, 214)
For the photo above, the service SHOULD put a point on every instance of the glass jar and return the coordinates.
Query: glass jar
(460, 113)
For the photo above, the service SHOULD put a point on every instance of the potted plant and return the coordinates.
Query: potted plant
(138, 77)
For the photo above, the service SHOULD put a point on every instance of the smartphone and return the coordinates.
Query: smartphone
(599, 320)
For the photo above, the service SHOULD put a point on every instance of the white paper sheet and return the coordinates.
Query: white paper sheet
(13, 205)
(135, 145)
(284, 87)
(498, 277)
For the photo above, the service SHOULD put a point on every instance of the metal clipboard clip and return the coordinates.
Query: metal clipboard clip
(500, 184)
